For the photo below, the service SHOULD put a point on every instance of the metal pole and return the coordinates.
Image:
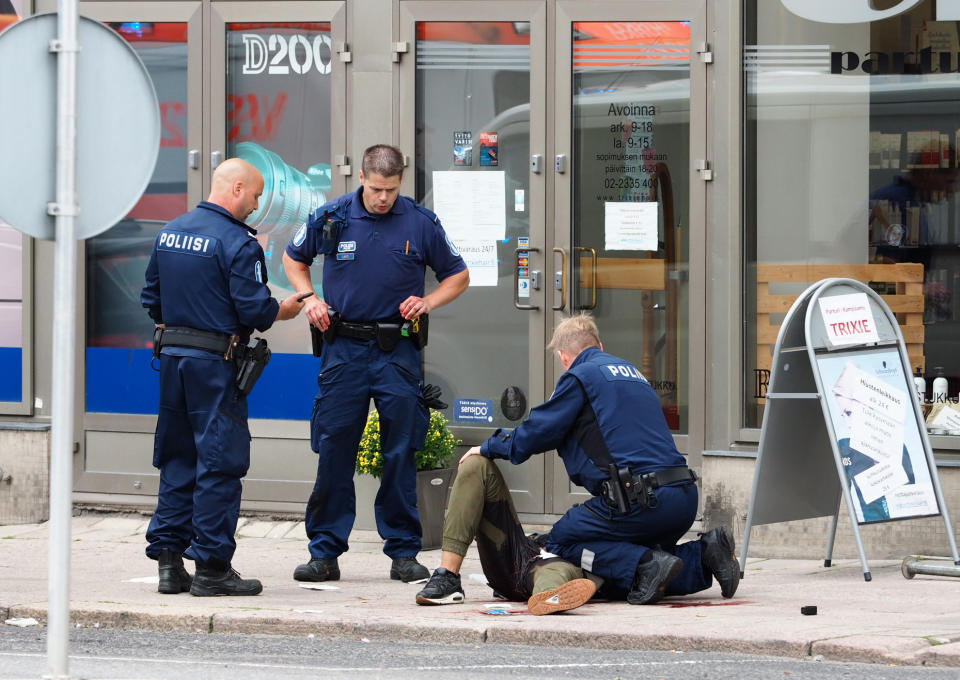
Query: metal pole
(915, 564)
(65, 211)
(828, 560)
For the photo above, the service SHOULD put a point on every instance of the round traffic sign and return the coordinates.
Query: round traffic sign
(117, 117)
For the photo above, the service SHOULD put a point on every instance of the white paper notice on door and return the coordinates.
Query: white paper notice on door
(481, 260)
(630, 225)
(471, 205)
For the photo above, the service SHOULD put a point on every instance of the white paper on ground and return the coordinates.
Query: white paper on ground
(143, 579)
(22, 623)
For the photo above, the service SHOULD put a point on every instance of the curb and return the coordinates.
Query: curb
(908, 651)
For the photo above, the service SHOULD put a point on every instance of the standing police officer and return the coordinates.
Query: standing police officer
(376, 246)
(206, 291)
(605, 420)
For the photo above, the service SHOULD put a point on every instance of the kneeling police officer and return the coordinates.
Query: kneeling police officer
(206, 289)
(605, 420)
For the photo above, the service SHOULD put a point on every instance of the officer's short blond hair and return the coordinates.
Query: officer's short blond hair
(575, 334)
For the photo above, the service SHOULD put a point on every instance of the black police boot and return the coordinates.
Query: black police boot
(318, 569)
(717, 556)
(654, 573)
(174, 578)
(442, 588)
(407, 569)
(209, 582)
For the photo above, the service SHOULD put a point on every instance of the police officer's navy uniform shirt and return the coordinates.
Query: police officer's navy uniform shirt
(213, 276)
(601, 403)
(380, 260)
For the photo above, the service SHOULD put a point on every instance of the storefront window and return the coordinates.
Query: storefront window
(11, 314)
(119, 332)
(11, 281)
(631, 143)
(278, 119)
(278, 110)
(472, 168)
(851, 141)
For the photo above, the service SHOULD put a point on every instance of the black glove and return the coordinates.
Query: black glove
(431, 397)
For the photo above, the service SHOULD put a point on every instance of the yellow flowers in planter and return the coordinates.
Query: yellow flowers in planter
(437, 449)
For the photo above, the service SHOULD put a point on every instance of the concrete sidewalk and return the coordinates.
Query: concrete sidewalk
(888, 620)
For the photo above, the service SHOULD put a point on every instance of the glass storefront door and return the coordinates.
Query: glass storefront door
(120, 388)
(631, 109)
(276, 100)
(475, 126)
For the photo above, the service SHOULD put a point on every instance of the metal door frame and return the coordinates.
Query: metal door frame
(135, 430)
(567, 12)
(527, 482)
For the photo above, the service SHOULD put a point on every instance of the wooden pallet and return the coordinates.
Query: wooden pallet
(905, 299)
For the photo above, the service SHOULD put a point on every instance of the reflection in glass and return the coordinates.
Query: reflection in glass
(117, 258)
(278, 119)
(630, 196)
(473, 116)
(851, 159)
(11, 286)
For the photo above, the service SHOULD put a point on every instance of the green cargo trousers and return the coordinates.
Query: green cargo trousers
(481, 508)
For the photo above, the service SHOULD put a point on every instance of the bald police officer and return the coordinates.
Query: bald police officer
(376, 246)
(206, 287)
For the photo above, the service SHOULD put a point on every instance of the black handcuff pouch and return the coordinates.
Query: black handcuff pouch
(388, 335)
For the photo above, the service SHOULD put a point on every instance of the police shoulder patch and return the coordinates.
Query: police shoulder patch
(301, 234)
(453, 248)
(258, 272)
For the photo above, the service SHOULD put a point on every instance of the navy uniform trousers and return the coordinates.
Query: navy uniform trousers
(353, 372)
(202, 448)
(610, 545)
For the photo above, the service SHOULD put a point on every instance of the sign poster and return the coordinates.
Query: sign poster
(462, 147)
(489, 148)
(631, 226)
(473, 410)
(471, 205)
(481, 260)
(626, 156)
(848, 320)
(878, 437)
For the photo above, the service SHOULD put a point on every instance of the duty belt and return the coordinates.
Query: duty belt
(386, 334)
(624, 490)
(192, 338)
(360, 331)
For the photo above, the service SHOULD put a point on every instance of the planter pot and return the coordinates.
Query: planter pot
(433, 489)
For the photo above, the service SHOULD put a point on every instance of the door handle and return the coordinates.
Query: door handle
(516, 276)
(593, 276)
(562, 281)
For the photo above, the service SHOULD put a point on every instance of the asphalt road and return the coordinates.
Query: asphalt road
(100, 654)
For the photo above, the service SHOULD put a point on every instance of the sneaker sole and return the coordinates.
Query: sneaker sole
(452, 598)
(570, 595)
